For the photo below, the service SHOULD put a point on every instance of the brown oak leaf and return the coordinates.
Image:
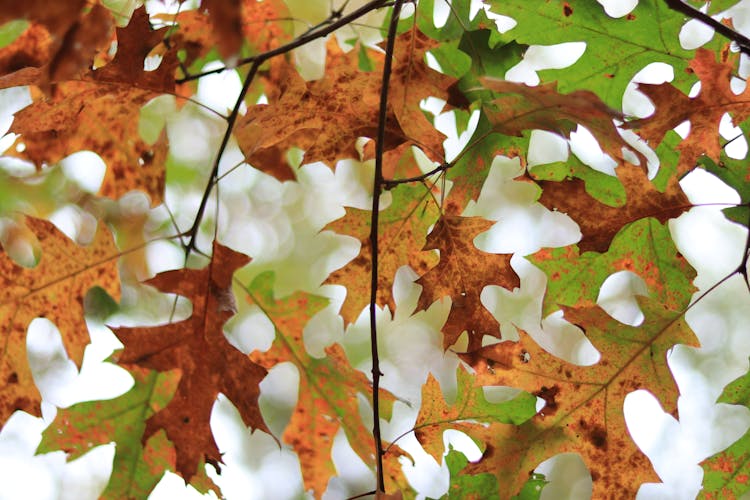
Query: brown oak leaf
(584, 404)
(208, 363)
(55, 289)
(134, 44)
(462, 274)
(226, 18)
(704, 111)
(599, 223)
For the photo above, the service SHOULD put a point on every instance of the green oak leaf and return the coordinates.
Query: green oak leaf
(616, 49)
(727, 474)
(644, 247)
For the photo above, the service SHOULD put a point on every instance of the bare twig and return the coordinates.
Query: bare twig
(326, 28)
(741, 40)
(377, 188)
(742, 268)
(257, 61)
(390, 183)
(224, 141)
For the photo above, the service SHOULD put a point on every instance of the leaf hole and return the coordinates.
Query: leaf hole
(617, 297)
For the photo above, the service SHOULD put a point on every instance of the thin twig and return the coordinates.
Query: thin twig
(742, 268)
(741, 40)
(390, 183)
(377, 188)
(304, 39)
(257, 61)
(362, 495)
(224, 141)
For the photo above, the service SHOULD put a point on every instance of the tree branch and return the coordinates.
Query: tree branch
(312, 34)
(224, 141)
(742, 41)
(377, 188)
(257, 61)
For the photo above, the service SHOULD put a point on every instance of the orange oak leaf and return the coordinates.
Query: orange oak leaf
(328, 390)
(411, 82)
(266, 24)
(55, 289)
(75, 54)
(71, 119)
(584, 404)
(25, 55)
(42, 57)
(301, 113)
(209, 364)
(263, 24)
(57, 17)
(462, 274)
(520, 107)
(470, 412)
(599, 222)
(704, 111)
(402, 228)
(192, 33)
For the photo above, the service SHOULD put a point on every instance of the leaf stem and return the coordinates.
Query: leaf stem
(377, 188)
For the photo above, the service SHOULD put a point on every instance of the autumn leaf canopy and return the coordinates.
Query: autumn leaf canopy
(356, 224)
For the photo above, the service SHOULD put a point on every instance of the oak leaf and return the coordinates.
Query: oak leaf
(226, 18)
(56, 17)
(135, 42)
(137, 468)
(412, 81)
(461, 274)
(208, 363)
(616, 49)
(584, 404)
(471, 167)
(198, 32)
(600, 222)
(519, 107)
(644, 247)
(727, 473)
(54, 289)
(704, 111)
(402, 227)
(301, 113)
(60, 42)
(328, 390)
(69, 119)
(470, 412)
